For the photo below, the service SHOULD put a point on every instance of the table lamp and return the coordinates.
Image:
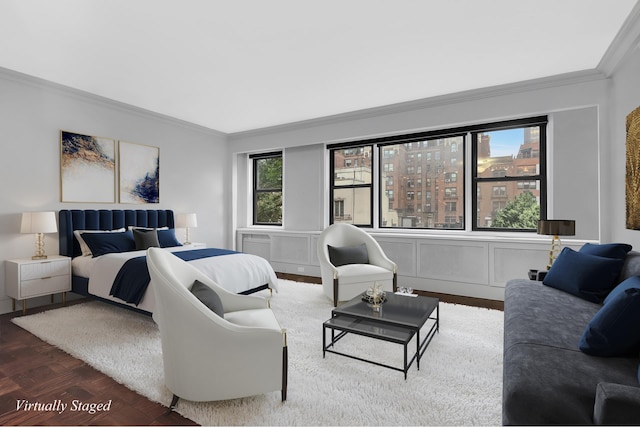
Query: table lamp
(556, 228)
(186, 221)
(39, 223)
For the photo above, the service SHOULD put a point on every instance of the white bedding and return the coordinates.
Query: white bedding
(235, 272)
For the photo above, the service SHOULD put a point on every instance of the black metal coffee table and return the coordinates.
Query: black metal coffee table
(399, 319)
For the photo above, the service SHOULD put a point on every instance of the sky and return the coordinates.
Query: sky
(506, 142)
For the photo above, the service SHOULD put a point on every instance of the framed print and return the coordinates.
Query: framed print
(87, 168)
(139, 173)
(632, 184)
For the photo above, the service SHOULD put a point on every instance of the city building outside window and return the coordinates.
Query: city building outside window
(267, 188)
(351, 186)
(509, 175)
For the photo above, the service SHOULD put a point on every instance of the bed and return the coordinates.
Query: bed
(111, 275)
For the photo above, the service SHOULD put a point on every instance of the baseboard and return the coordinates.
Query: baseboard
(454, 299)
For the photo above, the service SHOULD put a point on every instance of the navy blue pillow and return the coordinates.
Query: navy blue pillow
(167, 238)
(607, 250)
(586, 276)
(106, 243)
(615, 329)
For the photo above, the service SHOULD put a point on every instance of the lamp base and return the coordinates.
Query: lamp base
(39, 257)
(556, 247)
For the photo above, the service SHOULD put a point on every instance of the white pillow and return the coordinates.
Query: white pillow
(133, 227)
(83, 245)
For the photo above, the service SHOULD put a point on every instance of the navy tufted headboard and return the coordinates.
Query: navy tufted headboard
(104, 219)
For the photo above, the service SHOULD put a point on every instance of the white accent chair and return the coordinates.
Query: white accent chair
(207, 357)
(342, 283)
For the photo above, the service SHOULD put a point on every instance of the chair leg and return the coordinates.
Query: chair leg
(174, 402)
(285, 373)
(335, 292)
(395, 282)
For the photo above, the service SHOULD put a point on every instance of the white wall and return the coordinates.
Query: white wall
(193, 166)
(625, 97)
(575, 110)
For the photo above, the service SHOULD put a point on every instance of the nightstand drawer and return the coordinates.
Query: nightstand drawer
(44, 269)
(50, 285)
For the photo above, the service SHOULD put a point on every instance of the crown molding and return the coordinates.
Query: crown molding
(464, 96)
(623, 44)
(102, 101)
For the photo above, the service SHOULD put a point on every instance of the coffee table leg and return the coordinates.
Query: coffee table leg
(418, 349)
(405, 361)
(324, 340)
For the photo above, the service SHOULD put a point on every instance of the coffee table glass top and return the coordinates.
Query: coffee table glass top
(403, 310)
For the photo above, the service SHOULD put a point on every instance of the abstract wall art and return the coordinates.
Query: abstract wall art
(139, 173)
(87, 168)
(633, 170)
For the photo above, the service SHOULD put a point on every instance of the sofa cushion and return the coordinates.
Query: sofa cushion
(615, 329)
(607, 250)
(208, 297)
(348, 255)
(586, 276)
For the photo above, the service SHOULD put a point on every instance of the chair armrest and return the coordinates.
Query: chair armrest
(616, 404)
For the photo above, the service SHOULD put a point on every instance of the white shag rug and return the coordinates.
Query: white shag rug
(459, 381)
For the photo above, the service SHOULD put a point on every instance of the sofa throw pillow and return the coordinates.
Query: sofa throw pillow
(106, 243)
(167, 238)
(607, 250)
(208, 297)
(348, 255)
(586, 276)
(615, 329)
(145, 239)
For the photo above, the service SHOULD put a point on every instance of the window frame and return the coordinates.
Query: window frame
(332, 187)
(254, 165)
(466, 149)
(541, 122)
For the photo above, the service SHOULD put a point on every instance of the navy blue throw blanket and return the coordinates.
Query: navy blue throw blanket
(132, 280)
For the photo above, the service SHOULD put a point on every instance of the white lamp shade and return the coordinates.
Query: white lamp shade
(187, 220)
(38, 222)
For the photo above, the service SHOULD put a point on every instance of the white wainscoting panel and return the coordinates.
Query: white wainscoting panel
(289, 248)
(456, 261)
(259, 244)
(476, 266)
(402, 252)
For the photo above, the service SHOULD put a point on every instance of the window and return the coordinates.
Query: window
(507, 178)
(351, 184)
(443, 176)
(509, 168)
(267, 188)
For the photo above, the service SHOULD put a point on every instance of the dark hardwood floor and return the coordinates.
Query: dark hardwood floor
(34, 371)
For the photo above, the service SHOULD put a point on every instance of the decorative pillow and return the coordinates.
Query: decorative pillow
(348, 255)
(607, 250)
(208, 297)
(135, 227)
(106, 243)
(615, 329)
(167, 238)
(83, 246)
(145, 239)
(586, 276)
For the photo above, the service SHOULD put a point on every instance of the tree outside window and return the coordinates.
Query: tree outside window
(267, 189)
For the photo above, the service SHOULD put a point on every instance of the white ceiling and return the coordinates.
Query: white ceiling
(235, 65)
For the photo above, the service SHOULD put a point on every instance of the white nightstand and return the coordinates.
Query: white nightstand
(29, 278)
(195, 245)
